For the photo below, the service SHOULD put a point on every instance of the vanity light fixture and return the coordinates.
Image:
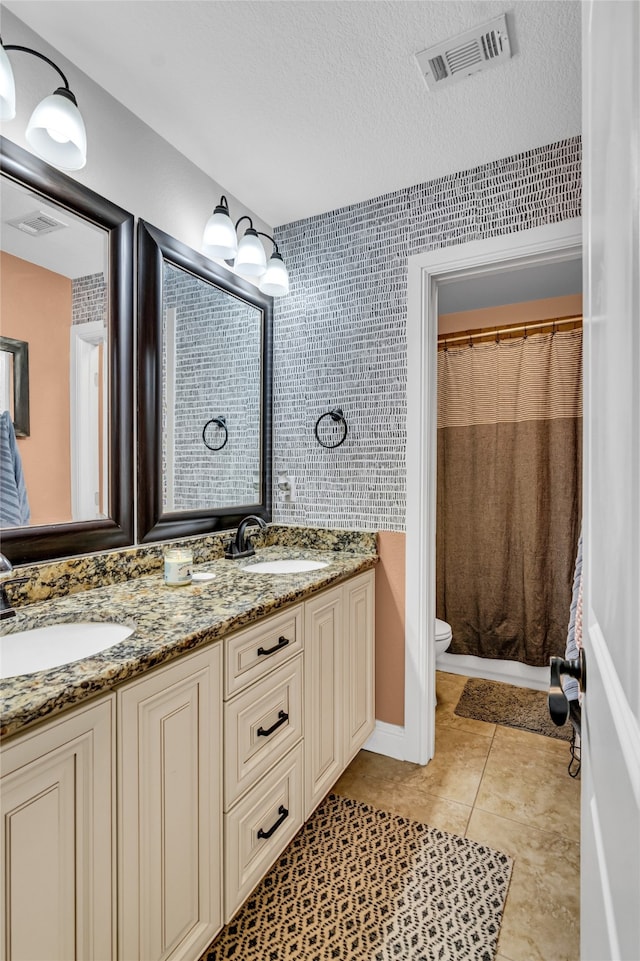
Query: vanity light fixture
(56, 129)
(251, 260)
(248, 256)
(220, 238)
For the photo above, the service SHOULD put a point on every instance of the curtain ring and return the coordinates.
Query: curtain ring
(470, 340)
(524, 336)
(220, 422)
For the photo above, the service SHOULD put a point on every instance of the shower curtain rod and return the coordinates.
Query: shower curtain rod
(510, 330)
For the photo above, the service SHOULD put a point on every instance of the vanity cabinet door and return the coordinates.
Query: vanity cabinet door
(57, 837)
(170, 810)
(323, 737)
(359, 661)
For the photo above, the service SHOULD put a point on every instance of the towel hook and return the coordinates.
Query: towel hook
(220, 422)
(337, 416)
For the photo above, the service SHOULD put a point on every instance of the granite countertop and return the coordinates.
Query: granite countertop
(167, 622)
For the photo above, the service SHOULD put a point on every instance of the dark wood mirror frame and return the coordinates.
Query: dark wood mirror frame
(28, 544)
(19, 349)
(154, 249)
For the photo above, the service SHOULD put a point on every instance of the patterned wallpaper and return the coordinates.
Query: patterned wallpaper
(89, 299)
(340, 335)
(217, 373)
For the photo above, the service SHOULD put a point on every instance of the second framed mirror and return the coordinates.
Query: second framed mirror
(204, 381)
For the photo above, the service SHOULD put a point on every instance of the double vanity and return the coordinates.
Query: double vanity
(147, 789)
(154, 768)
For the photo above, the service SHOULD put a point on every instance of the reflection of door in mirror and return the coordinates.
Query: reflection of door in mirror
(212, 357)
(53, 296)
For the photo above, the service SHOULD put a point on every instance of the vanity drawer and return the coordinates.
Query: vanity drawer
(254, 652)
(261, 725)
(260, 826)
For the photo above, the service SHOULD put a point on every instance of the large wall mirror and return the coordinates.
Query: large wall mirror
(66, 485)
(204, 374)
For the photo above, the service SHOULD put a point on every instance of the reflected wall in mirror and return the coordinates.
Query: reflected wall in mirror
(212, 349)
(204, 370)
(66, 291)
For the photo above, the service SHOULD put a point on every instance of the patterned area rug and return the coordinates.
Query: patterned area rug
(357, 884)
(500, 703)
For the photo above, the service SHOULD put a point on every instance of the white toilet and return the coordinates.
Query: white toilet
(443, 636)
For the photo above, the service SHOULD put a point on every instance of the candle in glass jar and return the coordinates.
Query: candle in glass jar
(178, 566)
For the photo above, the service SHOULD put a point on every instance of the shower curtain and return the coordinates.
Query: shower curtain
(509, 494)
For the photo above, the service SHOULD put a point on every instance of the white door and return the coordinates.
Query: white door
(610, 908)
(89, 421)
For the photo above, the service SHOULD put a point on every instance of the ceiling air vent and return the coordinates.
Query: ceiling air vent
(478, 49)
(37, 223)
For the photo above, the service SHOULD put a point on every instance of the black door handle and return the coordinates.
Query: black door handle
(282, 642)
(282, 717)
(282, 811)
(558, 703)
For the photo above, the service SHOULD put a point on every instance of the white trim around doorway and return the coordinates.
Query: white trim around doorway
(551, 243)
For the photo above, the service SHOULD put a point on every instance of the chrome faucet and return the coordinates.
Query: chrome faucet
(6, 610)
(241, 546)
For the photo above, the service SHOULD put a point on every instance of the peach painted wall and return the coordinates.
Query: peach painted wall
(390, 587)
(390, 572)
(531, 311)
(35, 305)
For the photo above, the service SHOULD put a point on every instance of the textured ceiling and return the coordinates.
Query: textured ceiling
(299, 106)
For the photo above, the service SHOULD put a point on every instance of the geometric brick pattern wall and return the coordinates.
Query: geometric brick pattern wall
(340, 334)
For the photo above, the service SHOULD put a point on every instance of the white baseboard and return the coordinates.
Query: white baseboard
(511, 672)
(387, 739)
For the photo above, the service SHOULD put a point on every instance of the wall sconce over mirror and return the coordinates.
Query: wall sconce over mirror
(247, 256)
(56, 130)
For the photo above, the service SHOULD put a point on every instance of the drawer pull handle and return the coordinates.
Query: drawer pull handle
(284, 814)
(282, 717)
(282, 642)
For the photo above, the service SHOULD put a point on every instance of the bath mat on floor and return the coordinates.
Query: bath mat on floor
(358, 884)
(500, 703)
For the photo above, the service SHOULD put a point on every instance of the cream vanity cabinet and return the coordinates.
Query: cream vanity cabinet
(299, 704)
(170, 809)
(208, 766)
(263, 749)
(339, 682)
(358, 663)
(58, 834)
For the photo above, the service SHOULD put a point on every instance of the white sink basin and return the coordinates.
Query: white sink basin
(289, 566)
(45, 647)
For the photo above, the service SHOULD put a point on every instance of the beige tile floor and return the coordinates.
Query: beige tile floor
(506, 788)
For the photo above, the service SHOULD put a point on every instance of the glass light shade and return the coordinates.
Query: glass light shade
(56, 131)
(7, 87)
(275, 280)
(251, 260)
(219, 238)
